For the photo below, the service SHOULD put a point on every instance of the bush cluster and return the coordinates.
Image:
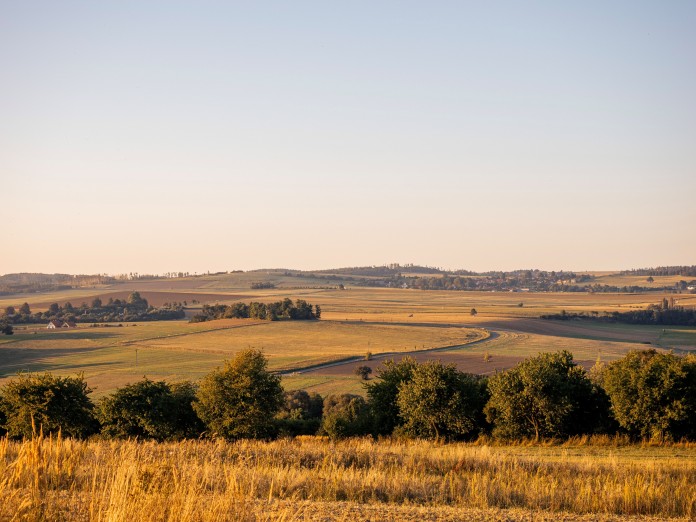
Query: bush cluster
(646, 394)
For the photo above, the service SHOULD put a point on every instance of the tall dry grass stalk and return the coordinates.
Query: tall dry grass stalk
(61, 479)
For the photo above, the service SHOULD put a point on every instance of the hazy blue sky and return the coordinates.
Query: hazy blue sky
(160, 135)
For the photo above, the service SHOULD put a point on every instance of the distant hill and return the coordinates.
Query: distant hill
(664, 279)
(382, 271)
(32, 282)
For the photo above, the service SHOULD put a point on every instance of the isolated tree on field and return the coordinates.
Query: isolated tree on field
(653, 395)
(382, 393)
(150, 409)
(650, 279)
(544, 396)
(363, 371)
(241, 399)
(440, 402)
(474, 312)
(44, 402)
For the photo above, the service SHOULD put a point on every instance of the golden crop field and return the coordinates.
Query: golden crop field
(310, 479)
(354, 321)
(636, 280)
(176, 350)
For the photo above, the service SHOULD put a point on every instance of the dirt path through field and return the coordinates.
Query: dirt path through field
(385, 355)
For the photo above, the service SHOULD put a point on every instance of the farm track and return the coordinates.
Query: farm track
(385, 355)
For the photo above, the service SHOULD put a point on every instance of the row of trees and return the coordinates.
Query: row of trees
(689, 271)
(645, 395)
(133, 308)
(285, 309)
(654, 314)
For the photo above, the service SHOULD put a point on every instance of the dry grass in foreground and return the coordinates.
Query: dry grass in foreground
(312, 479)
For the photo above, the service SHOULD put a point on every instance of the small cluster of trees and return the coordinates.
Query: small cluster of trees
(134, 308)
(285, 309)
(261, 285)
(646, 394)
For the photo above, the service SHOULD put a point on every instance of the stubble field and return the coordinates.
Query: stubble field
(310, 479)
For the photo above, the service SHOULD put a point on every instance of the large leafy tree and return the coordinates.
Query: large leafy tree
(32, 403)
(544, 396)
(653, 395)
(150, 409)
(241, 399)
(440, 402)
(382, 393)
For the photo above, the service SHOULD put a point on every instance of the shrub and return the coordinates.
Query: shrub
(345, 415)
(44, 402)
(151, 410)
(300, 414)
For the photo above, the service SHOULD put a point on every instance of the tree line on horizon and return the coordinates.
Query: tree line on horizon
(390, 275)
(644, 395)
(664, 313)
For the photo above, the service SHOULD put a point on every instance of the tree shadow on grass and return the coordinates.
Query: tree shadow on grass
(59, 335)
(14, 360)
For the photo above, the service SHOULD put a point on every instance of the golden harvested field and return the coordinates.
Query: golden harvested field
(176, 350)
(236, 286)
(502, 350)
(635, 280)
(354, 321)
(310, 479)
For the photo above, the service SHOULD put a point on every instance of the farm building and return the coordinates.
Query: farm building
(57, 323)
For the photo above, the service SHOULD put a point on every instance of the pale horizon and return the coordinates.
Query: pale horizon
(169, 136)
